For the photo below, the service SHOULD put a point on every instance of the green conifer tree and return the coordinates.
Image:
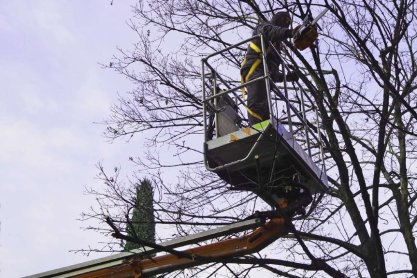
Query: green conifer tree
(142, 220)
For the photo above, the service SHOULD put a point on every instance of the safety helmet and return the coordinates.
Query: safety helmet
(281, 19)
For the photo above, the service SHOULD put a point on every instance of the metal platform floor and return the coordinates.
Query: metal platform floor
(264, 158)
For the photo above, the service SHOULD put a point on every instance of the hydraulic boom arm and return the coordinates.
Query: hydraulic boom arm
(247, 244)
(133, 265)
(253, 242)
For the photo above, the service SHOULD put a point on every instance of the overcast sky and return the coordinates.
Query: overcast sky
(52, 92)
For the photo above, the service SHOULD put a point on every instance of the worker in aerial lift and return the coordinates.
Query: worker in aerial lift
(275, 31)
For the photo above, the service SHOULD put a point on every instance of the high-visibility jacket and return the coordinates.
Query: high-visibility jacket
(252, 64)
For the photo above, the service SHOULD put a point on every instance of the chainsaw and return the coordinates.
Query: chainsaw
(306, 34)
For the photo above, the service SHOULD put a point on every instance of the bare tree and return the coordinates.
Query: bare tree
(362, 78)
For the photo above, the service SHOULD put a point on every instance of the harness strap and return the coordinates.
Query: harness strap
(253, 114)
(255, 48)
(245, 79)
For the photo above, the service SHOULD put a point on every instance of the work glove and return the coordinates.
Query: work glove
(292, 76)
(277, 76)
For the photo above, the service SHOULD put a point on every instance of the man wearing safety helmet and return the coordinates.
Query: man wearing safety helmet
(275, 31)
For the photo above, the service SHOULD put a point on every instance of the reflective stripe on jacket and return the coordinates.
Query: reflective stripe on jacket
(253, 59)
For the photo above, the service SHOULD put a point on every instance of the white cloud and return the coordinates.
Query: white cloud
(52, 90)
(5, 25)
(91, 96)
(29, 96)
(49, 17)
(30, 146)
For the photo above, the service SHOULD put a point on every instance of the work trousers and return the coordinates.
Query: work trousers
(257, 101)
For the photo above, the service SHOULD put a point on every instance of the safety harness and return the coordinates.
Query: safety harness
(245, 79)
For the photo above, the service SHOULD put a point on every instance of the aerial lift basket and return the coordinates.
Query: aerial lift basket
(266, 158)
